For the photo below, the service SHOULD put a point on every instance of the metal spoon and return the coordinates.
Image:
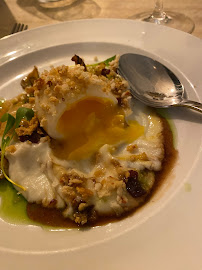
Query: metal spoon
(153, 83)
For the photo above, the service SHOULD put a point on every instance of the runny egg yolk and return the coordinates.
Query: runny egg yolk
(89, 124)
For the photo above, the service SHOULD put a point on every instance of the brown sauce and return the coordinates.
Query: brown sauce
(170, 157)
(53, 217)
(48, 216)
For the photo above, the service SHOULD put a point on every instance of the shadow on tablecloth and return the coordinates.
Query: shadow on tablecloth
(80, 9)
(7, 19)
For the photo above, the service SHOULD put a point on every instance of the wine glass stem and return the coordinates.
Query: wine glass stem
(158, 12)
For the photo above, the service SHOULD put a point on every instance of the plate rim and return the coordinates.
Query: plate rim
(98, 20)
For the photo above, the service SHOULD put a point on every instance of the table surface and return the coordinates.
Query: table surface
(31, 13)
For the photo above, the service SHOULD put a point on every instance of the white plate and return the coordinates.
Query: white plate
(167, 232)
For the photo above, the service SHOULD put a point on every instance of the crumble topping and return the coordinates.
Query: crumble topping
(114, 180)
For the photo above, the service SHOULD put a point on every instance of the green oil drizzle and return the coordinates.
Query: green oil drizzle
(187, 187)
(13, 206)
(165, 114)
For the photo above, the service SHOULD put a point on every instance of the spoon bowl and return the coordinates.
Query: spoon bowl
(153, 83)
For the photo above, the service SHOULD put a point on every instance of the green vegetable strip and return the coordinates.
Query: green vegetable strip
(106, 62)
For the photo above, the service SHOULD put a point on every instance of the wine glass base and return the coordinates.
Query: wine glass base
(55, 3)
(172, 19)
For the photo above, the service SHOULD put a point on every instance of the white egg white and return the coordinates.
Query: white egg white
(39, 171)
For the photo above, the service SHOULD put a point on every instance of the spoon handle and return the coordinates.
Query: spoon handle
(191, 104)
